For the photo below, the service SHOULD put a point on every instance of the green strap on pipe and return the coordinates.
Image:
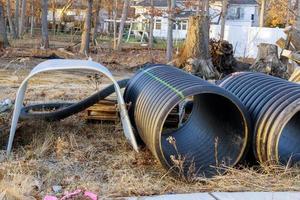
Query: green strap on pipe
(179, 93)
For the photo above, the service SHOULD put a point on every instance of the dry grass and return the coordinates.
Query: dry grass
(97, 157)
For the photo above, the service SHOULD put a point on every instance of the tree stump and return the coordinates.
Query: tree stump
(268, 61)
(195, 56)
(222, 54)
(294, 35)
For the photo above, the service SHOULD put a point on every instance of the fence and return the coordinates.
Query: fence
(246, 39)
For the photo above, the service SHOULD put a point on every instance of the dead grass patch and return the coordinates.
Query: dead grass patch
(74, 154)
(97, 157)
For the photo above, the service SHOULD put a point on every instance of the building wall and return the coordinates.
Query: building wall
(244, 39)
(250, 14)
(250, 17)
(79, 15)
(163, 32)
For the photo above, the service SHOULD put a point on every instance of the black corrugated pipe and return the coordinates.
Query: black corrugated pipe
(274, 106)
(216, 133)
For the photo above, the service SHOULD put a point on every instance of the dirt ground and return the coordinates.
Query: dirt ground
(75, 154)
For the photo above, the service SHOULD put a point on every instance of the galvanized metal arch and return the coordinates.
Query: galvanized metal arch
(55, 65)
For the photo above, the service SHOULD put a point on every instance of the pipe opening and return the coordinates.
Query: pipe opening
(179, 115)
(214, 136)
(289, 142)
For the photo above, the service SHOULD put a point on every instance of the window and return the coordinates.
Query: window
(184, 25)
(236, 13)
(175, 26)
(158, 24)
(180, 25)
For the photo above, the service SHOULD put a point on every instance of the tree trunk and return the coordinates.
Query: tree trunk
(267, 61)
(3, 35)
(298, 16)
(151, 25)
(45, 36)
(85, 38)
(206, 7)
(122, 23)
(32, 19)
(195, 56)
(288, 15)
(10, 21)
(199, 7)
(223, 18)
(115, 13)
(17, 10)
(22, 19)
(171, 7)
(96, 21)
(262, 13)
(54, 16)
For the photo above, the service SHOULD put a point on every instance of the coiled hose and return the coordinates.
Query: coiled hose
(60, 111)
(274, 106)
(215, 134)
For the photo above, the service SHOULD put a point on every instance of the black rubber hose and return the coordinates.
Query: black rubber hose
(274, 106)
(63, 110)
(215, 134)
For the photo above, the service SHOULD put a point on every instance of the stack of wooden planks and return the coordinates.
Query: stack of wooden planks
(104, 110)
(107, 111)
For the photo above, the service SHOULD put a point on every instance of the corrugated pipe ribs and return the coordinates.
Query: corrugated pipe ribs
(215, 134)
(274, 106)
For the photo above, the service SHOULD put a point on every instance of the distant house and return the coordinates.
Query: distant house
(240, 13)
(243, 13)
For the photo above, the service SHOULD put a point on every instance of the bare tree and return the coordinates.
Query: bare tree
(22, 18)
(85, 38)
(199, 7)
(32, 18)
(17, 10)
(205, 8)
(122, 23)
(53, 15)
(151, 24)
(298, 15)
(171, 8)
(223, 18)
(288, 14)
(96, 21)
(45, 36)
(10, 21)
(115, 13)
(3, 35)
(262, 13)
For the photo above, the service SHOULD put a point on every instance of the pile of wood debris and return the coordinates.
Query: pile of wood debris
(222, 54)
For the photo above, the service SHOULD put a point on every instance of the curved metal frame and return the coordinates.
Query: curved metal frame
(54, 65)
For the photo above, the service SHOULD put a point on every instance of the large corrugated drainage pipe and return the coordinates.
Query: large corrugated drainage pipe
(274, 106)
(216, 133)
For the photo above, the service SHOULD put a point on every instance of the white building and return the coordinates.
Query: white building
(240, 13)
